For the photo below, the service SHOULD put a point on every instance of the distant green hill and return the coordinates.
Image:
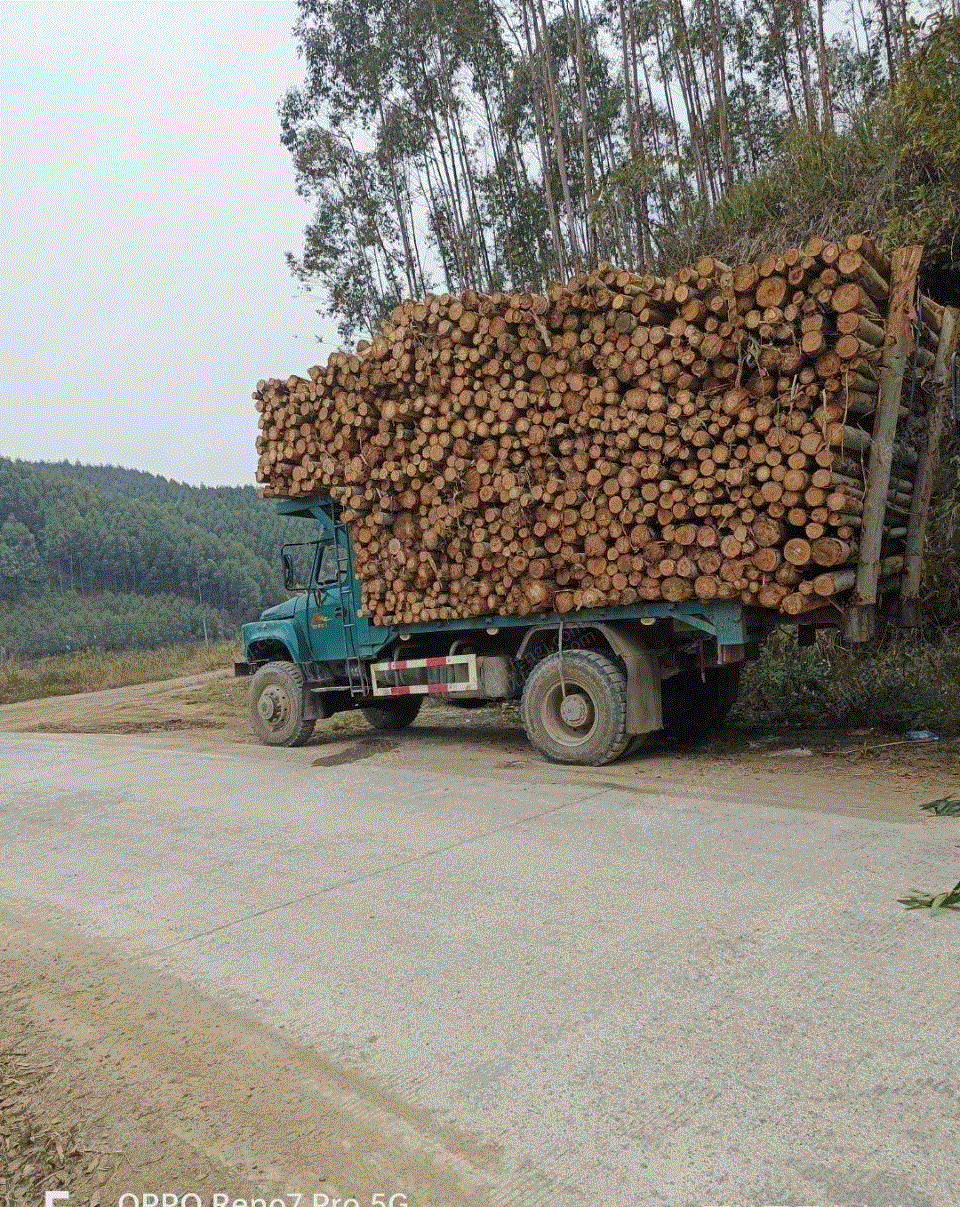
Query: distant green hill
(116, 558)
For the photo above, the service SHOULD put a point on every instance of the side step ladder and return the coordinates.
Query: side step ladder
(347, 604)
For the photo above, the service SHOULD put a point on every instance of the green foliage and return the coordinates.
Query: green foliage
(20, 567)
(934, 902)
(57, 624)
(945, 806)
(925, 108)
(107, 557)
(926, 100)
(892, 169)
(900, 685)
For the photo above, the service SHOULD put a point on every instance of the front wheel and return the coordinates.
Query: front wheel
(576, 711)
(397, 713)
(277, 698)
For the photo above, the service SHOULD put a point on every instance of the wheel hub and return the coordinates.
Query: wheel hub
(573, 709)
(273, 706)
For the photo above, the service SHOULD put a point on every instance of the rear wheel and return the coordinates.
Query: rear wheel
(693, 707)
(277, 699)
(579, 715)
(394, 714)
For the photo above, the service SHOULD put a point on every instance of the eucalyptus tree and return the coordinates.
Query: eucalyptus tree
(499, 144)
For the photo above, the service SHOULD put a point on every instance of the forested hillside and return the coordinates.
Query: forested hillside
(116, 558)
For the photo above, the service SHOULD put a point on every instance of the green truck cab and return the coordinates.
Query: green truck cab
(588, 684)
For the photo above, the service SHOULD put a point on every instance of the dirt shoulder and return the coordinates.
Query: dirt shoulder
(199, 701)
(115, 1080)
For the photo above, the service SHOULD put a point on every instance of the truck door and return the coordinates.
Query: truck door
(331, 601)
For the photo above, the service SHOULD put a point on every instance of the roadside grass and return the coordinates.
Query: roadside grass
(900, 685)
(93, 670)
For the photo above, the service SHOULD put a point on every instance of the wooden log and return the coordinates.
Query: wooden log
(836, 581)
(830, 551)
(853, 323)
(849, 296)
(855, 440)
(797, 551)
(853, 264)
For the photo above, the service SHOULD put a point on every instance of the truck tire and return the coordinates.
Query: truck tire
(581, 717)
(394, 714)
(692, 708)
(277, 698)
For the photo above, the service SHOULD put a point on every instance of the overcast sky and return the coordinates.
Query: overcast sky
(147, 205)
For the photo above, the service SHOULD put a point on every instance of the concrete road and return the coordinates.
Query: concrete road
(632, 998)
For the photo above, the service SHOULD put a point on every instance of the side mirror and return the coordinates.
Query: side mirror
(288, 576)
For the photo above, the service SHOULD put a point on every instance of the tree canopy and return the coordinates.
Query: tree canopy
(487, 145)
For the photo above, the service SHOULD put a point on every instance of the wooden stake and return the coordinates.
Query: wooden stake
(920, 507)
(860, 622)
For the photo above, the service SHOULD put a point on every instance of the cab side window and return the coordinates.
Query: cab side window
(327, 564)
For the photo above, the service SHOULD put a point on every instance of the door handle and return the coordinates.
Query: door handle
(338, 612)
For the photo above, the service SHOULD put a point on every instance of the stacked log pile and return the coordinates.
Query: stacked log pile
(622, 438)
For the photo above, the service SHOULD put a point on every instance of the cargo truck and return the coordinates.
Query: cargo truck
(589, 684)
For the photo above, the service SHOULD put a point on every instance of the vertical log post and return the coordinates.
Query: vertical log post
(860, 623)
(923, 487)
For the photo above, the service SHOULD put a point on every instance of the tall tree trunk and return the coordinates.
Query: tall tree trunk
(438, 141)
(905, 28)
(823, 71)
(546, 57)
(686, 77)
(888, 41)
(798, 9)
(421, 276)
(705, 87)
(747, 123)
(672, 115)
(408, 265)
(449, 268)
(544, 159)
(588, 183)
(630, 104)
(452, 110)
(657, 150)
(720, 88)
(644, 203)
